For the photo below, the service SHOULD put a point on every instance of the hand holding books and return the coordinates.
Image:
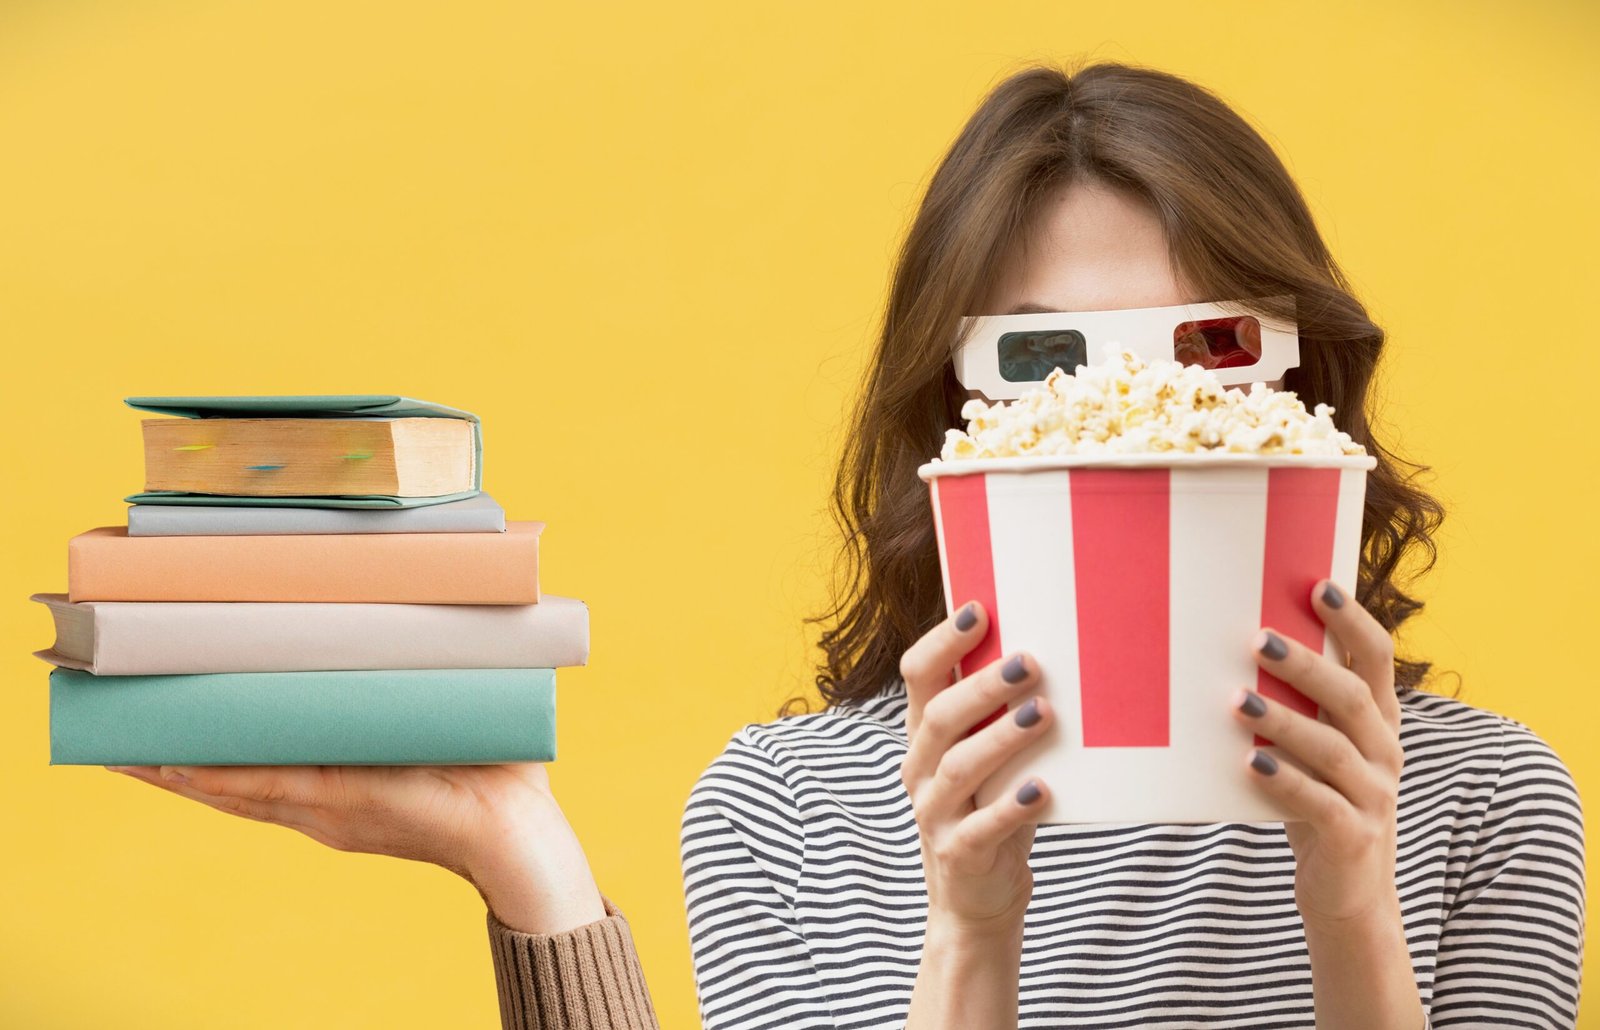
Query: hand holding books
(498, 826)
(315, 618)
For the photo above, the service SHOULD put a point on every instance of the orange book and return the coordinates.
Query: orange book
(107, 564)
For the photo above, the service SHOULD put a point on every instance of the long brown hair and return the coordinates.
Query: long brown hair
(1236, 226)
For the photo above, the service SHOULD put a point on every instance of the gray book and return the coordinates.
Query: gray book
(479, 514)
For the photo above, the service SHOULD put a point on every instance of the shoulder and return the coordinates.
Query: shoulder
(1435, 724)
(1517, 773)
(838, 731)
(1535, 788)
(1426, 717)
(770, 764)
(745, 809)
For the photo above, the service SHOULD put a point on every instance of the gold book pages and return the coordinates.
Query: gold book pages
(299, 457)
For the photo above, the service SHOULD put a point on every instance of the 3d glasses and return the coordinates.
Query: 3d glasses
(1003, 355)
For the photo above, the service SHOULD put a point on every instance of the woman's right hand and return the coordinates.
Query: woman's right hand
(975, 859)
(498, 826)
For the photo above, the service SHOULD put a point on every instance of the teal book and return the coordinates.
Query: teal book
(351, 717)
(385, 405)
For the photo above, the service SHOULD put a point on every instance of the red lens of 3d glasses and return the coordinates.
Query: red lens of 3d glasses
(1232, 342)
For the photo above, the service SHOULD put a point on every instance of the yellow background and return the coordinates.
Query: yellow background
(648, 245)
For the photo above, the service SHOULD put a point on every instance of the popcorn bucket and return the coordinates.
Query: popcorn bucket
(1137, 582)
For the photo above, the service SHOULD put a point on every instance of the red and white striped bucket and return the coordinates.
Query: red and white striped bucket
(1137, 582)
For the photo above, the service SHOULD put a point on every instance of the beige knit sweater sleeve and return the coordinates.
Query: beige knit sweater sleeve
(584, 979)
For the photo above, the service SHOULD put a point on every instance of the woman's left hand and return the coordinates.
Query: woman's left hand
(497, 826)
(1343, 836)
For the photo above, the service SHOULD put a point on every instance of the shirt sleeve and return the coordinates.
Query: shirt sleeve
(1511, 948)
(741, 845)
(586, 978)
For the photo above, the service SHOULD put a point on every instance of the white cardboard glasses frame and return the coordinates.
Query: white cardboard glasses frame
(1151, 333)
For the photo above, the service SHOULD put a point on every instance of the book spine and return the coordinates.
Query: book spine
(474, 515)
(106, 564)
(186, 638)
(391, 717)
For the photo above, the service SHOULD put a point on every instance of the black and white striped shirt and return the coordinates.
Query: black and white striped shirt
(807, 903)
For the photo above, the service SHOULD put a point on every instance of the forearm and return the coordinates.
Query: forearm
(563, 956)
(966, 980)
(586, 977)
(1361, 975)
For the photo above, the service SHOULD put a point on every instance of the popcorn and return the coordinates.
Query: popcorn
(1130, 406)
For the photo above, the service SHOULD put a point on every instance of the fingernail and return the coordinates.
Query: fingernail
(120, 768)
(1014, 671)
(1332, 596)
(1252, 705)
(1028, 714)
(174, 775)
(1263, 763)
(1028, 794)
(967, 617)
(1272, 645)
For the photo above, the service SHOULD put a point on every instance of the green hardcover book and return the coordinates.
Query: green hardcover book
(313, 406)
(361, 717)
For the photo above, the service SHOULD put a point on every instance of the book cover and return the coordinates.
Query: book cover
(390, 717)
(477, 514)
(106, 564)
(141, 638)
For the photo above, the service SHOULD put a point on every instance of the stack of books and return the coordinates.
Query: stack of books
(308, 581)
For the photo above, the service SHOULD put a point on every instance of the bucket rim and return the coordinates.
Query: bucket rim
(1184, 460)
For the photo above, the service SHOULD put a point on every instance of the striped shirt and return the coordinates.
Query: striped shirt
(807, 904)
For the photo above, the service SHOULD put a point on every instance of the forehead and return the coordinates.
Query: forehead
(1089, 247)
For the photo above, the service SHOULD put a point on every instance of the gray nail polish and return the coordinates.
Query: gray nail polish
(1275, 648)
(1028, 794)
(966, 618)
(1264, 763)
(1332, 596)
(1028, 714)
(1013, 671)
(1252, 705)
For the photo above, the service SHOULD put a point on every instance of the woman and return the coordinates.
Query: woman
(837, 870)
(839, 873)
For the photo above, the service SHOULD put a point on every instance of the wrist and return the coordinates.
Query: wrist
(1362, 974)
(988, 936)
(968, 973)
(1379, 920)
(532, 874)
(529, 906)
(529, 898)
